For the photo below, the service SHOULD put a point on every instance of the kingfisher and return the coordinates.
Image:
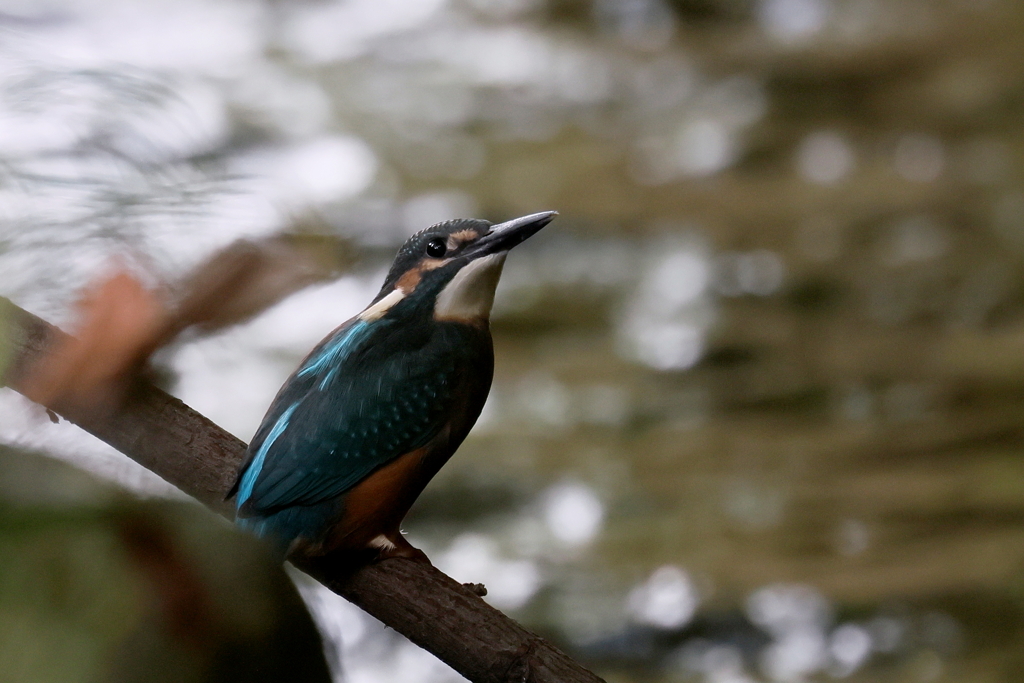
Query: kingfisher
(378, 406)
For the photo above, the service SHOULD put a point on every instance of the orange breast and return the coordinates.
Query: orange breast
(377, 504)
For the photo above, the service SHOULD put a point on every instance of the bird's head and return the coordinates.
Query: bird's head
(452, 268)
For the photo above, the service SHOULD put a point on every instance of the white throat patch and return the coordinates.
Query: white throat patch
(470, 294)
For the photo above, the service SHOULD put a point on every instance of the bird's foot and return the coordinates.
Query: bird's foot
(395, 545)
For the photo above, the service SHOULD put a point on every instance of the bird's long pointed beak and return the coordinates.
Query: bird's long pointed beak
(504, 236)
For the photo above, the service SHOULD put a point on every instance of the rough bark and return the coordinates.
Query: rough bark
(437, 613)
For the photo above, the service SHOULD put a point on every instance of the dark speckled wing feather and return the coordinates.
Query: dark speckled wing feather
(349, 409)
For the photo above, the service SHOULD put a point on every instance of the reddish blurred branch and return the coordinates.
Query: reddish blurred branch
(437, 613)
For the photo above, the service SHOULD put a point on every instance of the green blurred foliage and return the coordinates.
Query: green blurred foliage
(96, 586)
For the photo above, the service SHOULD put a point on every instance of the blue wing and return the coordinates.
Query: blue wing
(347, 410)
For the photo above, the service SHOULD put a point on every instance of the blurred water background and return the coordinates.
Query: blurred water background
(759, 395)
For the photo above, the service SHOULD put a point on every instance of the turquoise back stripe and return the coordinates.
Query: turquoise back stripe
(249, 478)
(330, 356)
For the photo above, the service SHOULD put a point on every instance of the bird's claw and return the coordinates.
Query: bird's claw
(402, 548)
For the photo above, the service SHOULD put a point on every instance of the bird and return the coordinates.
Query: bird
(381, 403)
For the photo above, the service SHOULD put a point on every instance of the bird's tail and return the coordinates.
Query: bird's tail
(283, 527)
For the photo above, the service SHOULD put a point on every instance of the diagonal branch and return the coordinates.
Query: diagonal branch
(437, 613)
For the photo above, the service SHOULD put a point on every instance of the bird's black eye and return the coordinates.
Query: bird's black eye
(436, 247)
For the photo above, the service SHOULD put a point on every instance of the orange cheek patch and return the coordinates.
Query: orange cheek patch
(407, 283)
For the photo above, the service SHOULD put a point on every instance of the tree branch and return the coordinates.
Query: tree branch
(437, 613)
